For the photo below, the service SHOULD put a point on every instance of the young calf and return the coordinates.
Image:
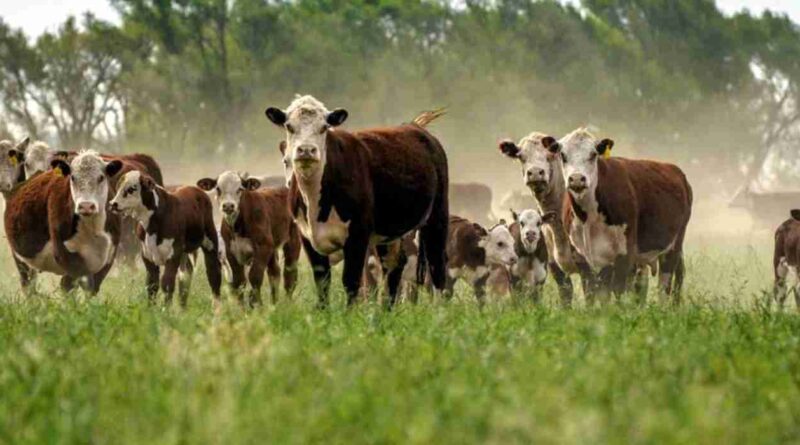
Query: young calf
(256, 224)
(787, 259)
(531, 268)
(473, 250)
(172, 225)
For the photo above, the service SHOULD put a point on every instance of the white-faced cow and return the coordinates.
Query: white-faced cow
(473, 251)
(351, 189)
(543, 174)
(172, 225)
(530, 271)
(256, 225)
(629, 214)
(57, 222)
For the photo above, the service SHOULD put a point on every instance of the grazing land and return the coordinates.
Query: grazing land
(721, 369)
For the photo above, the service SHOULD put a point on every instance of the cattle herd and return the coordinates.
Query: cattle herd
(378, 200)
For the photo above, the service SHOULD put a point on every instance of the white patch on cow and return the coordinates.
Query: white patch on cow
(92, 242)
(499, 246)
(597, 241)
(242, 249)
(37, 158)
(326, 237)
(44, 261)
(783, 268)
(157, 253)
(539, 166)
(128, 199)
(538, 272)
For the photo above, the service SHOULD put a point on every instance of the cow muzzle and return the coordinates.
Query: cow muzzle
(577, 183)
(86, 208)
(228, 208)
(531, 237)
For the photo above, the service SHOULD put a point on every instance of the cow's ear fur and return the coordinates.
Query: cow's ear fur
(336, 117)
(113, 167)
(207, 184)
(60, 168)
(276, 116)
(604, 147)
(796, 214)
(510, 149)
(549, 217)
(551, 144)
(251, 184)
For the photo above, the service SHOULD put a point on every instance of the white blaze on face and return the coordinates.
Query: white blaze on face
(37, 158)
(306, 130)
(88, 183)
(10, 167)
(580, 156)
(530, 229)
(538, 163)
(499, 246)
(229, 192)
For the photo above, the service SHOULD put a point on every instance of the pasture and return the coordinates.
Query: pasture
(720, 369)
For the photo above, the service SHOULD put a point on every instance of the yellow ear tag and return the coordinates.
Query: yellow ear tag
(57, 171)
(14, 161)
(607, 153)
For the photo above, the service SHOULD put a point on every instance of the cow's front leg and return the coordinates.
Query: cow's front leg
(256, 275)
(623, 274)
(355, 255)
(168, 279)
(321, 266)
(152, 279)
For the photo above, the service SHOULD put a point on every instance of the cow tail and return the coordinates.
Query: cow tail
(426, 117)
(422, 260)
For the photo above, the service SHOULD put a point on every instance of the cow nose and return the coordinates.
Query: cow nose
(306, 151)
(530, 236)
(227, 208)
(114, 207)
(512, 261)
(87, 208)
(577, 181)
(535, 174)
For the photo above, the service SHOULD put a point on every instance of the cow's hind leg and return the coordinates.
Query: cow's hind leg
(96, 280)
(356, 249)
(434, 241)
(26, 276)
(641, 282)
(669, 267)
(151, 285)
(274, 273)
(393, 261)
(185, 273)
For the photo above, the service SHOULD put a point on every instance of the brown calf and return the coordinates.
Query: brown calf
(172, 225)
(256, 224)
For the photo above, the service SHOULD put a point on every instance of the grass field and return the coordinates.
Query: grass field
(111, 370)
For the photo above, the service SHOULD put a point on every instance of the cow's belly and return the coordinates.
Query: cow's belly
(241, 249)
(157, 253)
(44, 261)
(95, 248)
(599, 242)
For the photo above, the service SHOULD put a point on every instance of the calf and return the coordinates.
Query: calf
(256, 224)
(349, 190)
(172, 225)
(543, 173)
(530, 271)
(57, 222)
(786, 259)
(473, 250)
(629, 214)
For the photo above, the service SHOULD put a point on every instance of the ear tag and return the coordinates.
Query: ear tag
(607, 153)
(14, 161)
(57, 171)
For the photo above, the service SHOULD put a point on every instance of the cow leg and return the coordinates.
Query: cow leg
(291, 253)
(168, 279)
(641, 283)
(589, 281)
(355, 256)
(433, 237)
(152, 279)
(185, 273)
(479, 287)
(680, 273)
(213, 273)
(96, 280)
(393, 269)
(565, 289)
(26, 276)
(603, 287)
(321, 266)
(621, 276)
(237, 278)
(67, 283)
(274, 273)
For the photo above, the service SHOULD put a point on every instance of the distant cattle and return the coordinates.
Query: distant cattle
(543, 174)
(57, 221)
(172, 225)
(349, 190)
(786, 259)
(471, 200)
(256, 225)
(629, 214)
(530, 271)
(472, 251)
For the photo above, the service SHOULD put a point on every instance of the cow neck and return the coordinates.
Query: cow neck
(311, 187)
(157, 206)
(552, 200)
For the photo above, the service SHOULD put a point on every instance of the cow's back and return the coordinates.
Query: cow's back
(276, 211)
(28, 212)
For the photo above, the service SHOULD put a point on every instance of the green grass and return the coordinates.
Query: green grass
(112, 370)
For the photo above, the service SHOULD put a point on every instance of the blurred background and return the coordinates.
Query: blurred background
(711, 86)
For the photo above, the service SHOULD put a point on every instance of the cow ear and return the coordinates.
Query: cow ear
(276, 116)
(510, 149)
(336, 117)
(604, 147)
(549, 217)
(282, 147)
(796, 214)
(147, 182)
(23, 144)
(207, 184)
(113, 167)
(251, 184)
(551, 144)
(60, 168)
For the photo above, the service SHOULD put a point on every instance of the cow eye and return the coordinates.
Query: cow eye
(501, 244)
(593, 156)
(289, 128)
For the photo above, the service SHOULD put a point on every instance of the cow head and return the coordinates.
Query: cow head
(498, 244)
(530, 227)
(12, 162)
(580, 151)
(37, 158)
(307, 122)
(228, 188)
(136, 196)
(538, 154)
(88, 180)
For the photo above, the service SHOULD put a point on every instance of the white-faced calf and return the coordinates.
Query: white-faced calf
(473, 250)
(530, 272)
(172, 225)
(256, 224)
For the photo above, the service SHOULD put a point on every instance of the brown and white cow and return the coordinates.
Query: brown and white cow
(629, 214)
(256, 224)
(543, 173)
(530, 271)
(57, 222)
(172, 225)
(472, 251)
(351, 189)
(786, 259)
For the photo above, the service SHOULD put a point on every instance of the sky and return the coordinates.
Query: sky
(37, 16)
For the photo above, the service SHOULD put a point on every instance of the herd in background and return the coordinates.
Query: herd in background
(378, 200)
